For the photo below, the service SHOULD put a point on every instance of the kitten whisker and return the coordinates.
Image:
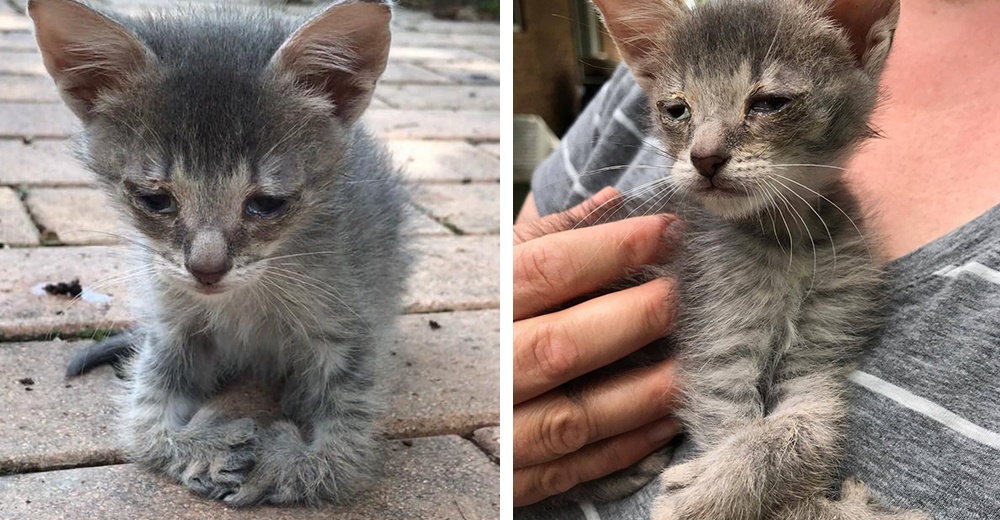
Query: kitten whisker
(812, 242)
(834, 204)
(325, 289)
(833, 247)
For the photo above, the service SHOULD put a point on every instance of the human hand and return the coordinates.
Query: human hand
(562, 439)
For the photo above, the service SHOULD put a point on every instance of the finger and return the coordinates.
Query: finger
(536, 483)
(554, 348)
(556, 268)
(564, 220)
(556, 424)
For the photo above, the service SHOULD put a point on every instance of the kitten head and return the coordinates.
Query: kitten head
(758, 101)
(206, 128)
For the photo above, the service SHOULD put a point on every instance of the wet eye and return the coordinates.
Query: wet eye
(265, 207)
(158, 203)
(675, 110)
(768, 105)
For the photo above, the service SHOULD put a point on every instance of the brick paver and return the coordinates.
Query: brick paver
(488, 439)
(411, 73)
(450, 273)
(438, 107)
(456, 393)
(57, 212)
(16, 228)
(444, 161)
(36, 89)
(14, 22)
(479, 125)
(17, 41)
(441, 96)
(21, 63)
(478, 72)
(469, 208)
(42, 163)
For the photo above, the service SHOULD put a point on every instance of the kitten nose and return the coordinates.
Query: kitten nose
(208, 275)
(709, 165)
(207, 259)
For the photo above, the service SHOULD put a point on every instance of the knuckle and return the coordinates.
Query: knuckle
(565, 430)
(555, 354)
(544, 269)
(663, 388)
(614, 457)
(556, 479)
(644, 245)
(659, 308)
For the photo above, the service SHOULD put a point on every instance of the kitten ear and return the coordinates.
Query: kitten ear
(340, 53)
(869, 25)
(85, 52)
(640, 29)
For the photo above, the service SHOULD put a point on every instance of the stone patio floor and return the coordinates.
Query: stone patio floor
(438, 106)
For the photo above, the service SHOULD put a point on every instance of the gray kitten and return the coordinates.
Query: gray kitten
(268, 228)
(761, 103)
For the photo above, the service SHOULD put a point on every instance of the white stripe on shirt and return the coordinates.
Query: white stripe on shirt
(589, 511)
(634, 129)
(573, 174)
(928, 408)
(974, 268)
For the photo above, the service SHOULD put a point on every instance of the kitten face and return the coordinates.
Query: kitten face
(759, 102)
(214, 201)
(218, 136)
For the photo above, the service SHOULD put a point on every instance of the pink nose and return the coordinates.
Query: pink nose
(708, 166)
(209, 276)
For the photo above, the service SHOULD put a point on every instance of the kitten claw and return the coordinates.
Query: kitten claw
(220, 471)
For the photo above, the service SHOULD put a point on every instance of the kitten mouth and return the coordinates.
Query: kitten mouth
(719, 189)
(210, 289)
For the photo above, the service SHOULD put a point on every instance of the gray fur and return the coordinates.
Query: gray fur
(310, 296)
(780, 284)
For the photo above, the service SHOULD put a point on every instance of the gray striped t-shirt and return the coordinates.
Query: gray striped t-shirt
(925, 421)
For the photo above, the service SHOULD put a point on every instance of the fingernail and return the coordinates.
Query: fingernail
(663, 431)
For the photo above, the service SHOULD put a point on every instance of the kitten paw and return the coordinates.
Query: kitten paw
(854, 494)
(220, 465)
(264, 483)
(679, 476)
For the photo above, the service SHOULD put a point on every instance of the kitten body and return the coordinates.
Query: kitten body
(760, 103)
(268, 239)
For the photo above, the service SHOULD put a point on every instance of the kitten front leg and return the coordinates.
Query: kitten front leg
(856, 503)
(167, 429)
(326, 448)
(766, 464)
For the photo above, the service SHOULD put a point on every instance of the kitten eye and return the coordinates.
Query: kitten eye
(263, 206)
(768, 105)
(158, 203)
(675, 110)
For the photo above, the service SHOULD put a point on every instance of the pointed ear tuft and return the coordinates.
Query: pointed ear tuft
(870, 26)
(340, 53)
(84, 51)
(640, 29)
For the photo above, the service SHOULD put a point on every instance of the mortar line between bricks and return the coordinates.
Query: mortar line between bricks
(482, 448)
(83, 335)
(118, 460)
(22, 198)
